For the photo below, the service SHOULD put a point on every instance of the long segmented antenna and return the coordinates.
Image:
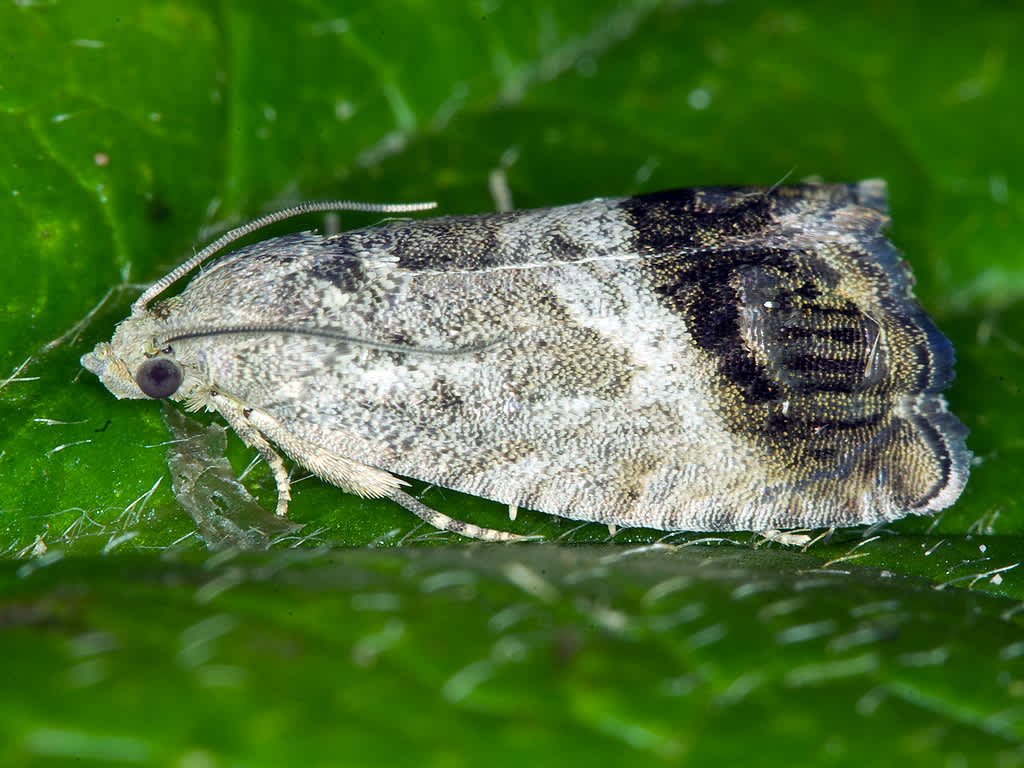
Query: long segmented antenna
(322, 333)
(263, 221)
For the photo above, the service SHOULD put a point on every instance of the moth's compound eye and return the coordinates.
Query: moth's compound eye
(159, 378)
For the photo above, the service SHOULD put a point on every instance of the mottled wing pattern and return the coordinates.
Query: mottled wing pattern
(701, 359)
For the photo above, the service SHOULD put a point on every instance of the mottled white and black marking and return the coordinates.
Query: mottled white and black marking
(698, 359)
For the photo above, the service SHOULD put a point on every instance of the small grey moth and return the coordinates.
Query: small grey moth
(718, 358)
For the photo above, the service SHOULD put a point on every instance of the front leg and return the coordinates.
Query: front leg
(238, 418)
(361, 479)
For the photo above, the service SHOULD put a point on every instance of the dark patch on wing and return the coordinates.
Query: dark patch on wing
(461, 242)
(695, 218)
(699, 288)
(561, 248)
(454, 242)
(840, 335)
(342, 270)
(445, 397)
(818, 352)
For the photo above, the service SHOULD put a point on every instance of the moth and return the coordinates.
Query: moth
(708, 359)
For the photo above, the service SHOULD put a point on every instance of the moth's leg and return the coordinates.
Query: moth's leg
(352, 476)
(236, 417)
(445, 523)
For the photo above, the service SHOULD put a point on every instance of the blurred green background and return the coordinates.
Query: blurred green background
(132, 131)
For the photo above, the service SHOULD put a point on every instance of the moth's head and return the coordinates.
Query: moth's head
(134, 365)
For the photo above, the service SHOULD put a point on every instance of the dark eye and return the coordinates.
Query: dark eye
(158, 378)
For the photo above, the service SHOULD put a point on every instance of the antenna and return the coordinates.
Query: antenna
(263, 221)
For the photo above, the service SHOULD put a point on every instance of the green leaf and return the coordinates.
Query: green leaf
(132, 130)
(504, 656)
